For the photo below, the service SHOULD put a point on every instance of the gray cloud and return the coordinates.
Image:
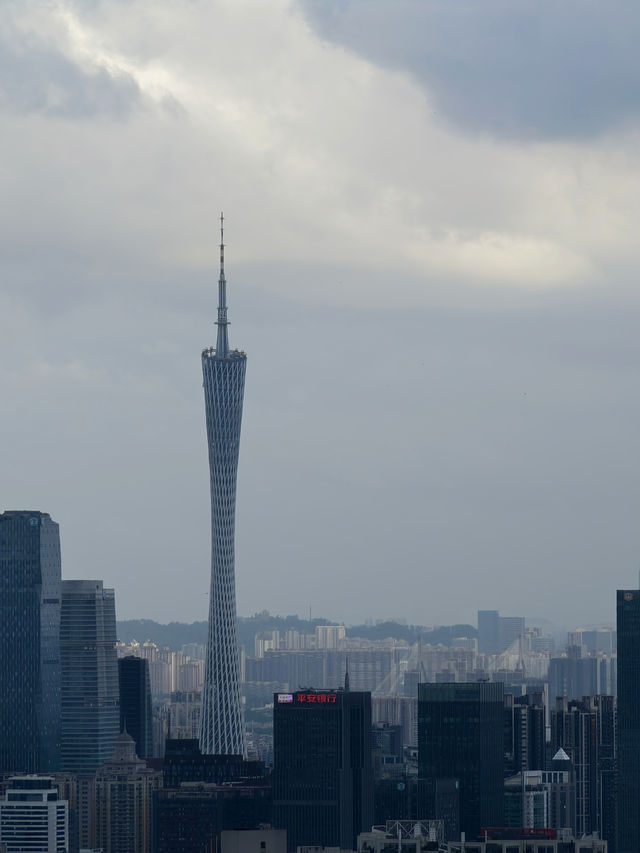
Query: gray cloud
(531, 69)
(37, 78)
(423, 432)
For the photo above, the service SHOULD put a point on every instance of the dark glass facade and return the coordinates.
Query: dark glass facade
(628, 728)
(184, 764)
(190, 819)
(135, 702)
(29, 642)
(90, 696)
(461, 735)
(322, 774)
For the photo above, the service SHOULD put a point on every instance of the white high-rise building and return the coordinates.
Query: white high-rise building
(329, 636)
(33, 818)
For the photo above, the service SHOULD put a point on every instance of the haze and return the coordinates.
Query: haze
(431, 225)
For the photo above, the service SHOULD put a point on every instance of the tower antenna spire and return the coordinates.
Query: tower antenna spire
(222, 343)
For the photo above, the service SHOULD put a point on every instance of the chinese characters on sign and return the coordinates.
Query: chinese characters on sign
(307, 698)
(319, 698)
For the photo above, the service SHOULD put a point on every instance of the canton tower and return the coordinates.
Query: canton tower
(223, 371)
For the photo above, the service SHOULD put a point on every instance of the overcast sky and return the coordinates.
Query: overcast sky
(432, 265)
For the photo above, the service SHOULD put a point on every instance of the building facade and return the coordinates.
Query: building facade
(461, 735)
(223, 372)
(90, 696)
(29, 642)
(135, 702)
(32, 818)
(585, 730)
(525, 733)
(124, 796)
(322, 767)
(628, 726)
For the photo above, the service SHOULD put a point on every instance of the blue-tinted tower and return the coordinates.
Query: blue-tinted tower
(29, 642)
(90, 697)
(223, 371)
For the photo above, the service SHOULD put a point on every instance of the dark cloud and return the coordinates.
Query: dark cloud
(531, 69)
(35, 78)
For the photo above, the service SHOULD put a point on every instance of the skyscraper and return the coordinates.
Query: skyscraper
(461, 735)
(135, 702)
(29, 642)
(90, 700)
(322, 767)
(223, 372)
(628, 728)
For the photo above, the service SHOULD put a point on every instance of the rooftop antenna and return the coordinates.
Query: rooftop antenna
(222, 343)
(346, 676)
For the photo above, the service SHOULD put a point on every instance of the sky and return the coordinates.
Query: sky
(431, 212)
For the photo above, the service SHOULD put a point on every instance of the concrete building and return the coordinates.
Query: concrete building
(329, 636)
(124, 792)
(496, 633)
(32, 818)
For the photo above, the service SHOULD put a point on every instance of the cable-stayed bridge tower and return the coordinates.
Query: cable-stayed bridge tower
(223, 372)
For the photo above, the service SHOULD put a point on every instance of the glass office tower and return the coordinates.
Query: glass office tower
(628, 722)
(135, 703)
(90, 699)
(223, 372)
(322, 767)
(461, 735)
(29, 642)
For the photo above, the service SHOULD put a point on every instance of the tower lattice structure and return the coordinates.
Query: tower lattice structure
(223, 371)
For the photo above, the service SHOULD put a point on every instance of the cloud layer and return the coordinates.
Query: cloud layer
(535, 69)
(439, 303)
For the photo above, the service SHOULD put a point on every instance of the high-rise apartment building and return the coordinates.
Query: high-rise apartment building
(29, 642)
(124, 795)
(329, 636)
(628, 726)
(461, 735)
(223, 371)
(90, 696)
(524, 733)
(32, 818)
(322, 770)
(575, 674)
(135, 703)
(585, 731)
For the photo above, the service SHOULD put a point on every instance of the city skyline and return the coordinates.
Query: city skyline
(439, 278)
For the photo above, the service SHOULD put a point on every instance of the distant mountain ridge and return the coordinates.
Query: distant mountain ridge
(177, 634)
